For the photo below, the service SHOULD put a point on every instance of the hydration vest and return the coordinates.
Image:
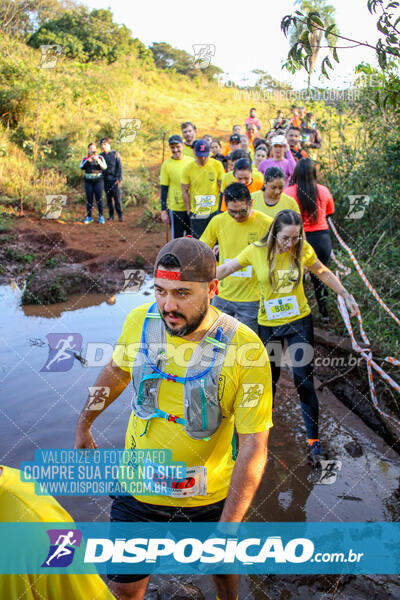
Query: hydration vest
(202, 411)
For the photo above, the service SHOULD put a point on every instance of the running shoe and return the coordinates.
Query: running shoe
(88, 220)
(102, 220)
(316, 452)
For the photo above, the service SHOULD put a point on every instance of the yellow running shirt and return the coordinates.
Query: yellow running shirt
(245, 397)
(232, 237)
(19, 503)
(188, 151)
(285, 202)
(203, 181)
(256, 184)
(171, 175)
(283, 303)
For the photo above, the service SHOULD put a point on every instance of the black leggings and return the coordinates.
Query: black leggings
(180, 223)
(300, 340)
(94, 187)
(113, 194)
(322, 244)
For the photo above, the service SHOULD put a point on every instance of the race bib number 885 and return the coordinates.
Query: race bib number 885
(281, 308)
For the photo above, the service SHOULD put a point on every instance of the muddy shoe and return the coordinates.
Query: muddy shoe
(88, 220)
(317, 453)
(325, 472)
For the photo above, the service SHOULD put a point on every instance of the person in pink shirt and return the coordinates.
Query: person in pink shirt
(281, 157)
(316, 204)
(253, 120)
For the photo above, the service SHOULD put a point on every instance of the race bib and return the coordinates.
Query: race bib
(194, 484)
(281, 308)
(204, 204)
(244, 272)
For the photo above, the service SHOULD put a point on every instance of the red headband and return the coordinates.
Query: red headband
(176, 275)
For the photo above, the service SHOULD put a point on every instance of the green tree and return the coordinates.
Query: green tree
(167, 57)
(309, 34)
(88, 36)
(19, 18)
(387, 48)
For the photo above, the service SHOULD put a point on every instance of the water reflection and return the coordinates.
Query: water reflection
(40, 410)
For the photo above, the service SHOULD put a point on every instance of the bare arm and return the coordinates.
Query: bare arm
(291, 161)
(185, 196)
(334, 284)
(116, 380)
(228, 268)
(246, 476)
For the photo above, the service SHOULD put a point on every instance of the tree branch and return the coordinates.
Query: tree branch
(342, 37)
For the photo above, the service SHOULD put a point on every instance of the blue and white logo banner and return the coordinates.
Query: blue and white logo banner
(187, 548)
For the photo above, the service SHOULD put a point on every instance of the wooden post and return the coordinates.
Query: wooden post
(163, 155)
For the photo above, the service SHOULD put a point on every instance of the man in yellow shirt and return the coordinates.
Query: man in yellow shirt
(212, 374)
(233, 231)
(201, 183)
(19, 503)
(189, 133)
(172, 205)
(243, 172)
(271, 199)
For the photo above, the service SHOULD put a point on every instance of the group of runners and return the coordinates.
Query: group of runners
(204, 357)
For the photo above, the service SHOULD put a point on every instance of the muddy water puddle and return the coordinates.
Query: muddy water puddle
(40, 409)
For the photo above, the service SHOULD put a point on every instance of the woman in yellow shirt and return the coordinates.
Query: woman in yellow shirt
(278, 261)
(271, 200)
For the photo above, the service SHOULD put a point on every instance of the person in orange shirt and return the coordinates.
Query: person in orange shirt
(252, 134)
(243, 173)
(296, 121)
(234, 144)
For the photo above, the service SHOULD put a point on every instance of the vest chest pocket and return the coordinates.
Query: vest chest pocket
(203, 413)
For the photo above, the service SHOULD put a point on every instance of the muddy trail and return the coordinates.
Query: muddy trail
(366, 489)
(51, 261)
(54, 259)
(287, 493)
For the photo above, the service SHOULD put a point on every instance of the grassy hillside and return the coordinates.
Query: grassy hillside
(50, 115)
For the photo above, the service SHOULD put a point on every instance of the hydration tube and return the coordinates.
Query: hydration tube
(218, 338)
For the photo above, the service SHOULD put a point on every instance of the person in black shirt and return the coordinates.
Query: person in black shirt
(310, 135)
(112, 178)
(93, 164)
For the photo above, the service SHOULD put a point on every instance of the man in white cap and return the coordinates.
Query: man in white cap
(281, 157)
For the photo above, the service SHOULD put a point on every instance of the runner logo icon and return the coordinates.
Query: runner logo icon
(62, 547)
(134, 279)
(50, 54)
(203, 53)
(252, 393)
(63, 349)
(357, 206)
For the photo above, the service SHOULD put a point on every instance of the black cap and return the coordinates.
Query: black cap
(235, 138)
(175, 139)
